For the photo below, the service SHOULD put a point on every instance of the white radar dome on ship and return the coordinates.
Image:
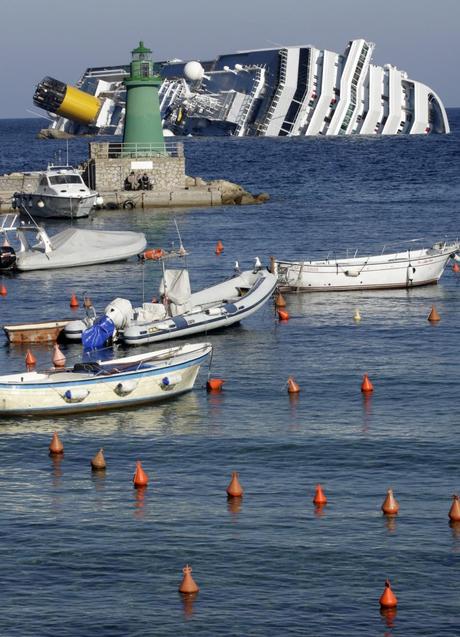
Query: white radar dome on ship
(193, 71)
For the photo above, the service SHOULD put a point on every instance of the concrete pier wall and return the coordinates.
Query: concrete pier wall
(109, 165)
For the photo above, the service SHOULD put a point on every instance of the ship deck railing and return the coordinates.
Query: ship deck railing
(114, 150)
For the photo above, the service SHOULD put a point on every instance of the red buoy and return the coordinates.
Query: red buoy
(390, 505)
(456, 267)
(74, 301)
(234, 489)
(56, 447)
(292, 386)
(188, 585)
(454, 513)
(140, 478)
(214, 384)
(320, 497)
(388, 598)
(98, 461)
(433, 316)
(283, 315)
(3, 290)
(31, 361)
(366, 385)
(219, 247)
(58, 357)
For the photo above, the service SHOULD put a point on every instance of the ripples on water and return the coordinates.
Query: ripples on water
(85, 553)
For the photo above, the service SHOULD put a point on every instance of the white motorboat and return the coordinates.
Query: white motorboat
(61, 192)
(72, 247)
(122, 382)
(181, 312)
(405, 269)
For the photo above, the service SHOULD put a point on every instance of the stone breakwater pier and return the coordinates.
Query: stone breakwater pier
(140, 176)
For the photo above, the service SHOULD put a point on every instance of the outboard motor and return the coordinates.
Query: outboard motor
(7, 257)
(119, 311)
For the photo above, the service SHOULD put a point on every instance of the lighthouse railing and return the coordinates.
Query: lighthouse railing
(113, 150)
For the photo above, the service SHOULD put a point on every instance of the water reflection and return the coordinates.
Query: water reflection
(187, 604)
(140, 501)
(319, 510)
(389, 616)
(390, 523)
(170, 416)
(234, 506)
(56, 460)
(455, 528)
(98, 478)
(367, 411)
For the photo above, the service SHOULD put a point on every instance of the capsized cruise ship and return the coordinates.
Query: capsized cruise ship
(293, 90)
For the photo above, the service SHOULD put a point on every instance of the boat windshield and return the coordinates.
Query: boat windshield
(65, 179)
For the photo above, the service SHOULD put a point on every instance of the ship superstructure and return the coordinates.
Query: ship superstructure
(287, 91)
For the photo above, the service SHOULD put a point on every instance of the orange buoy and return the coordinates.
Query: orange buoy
(234, 489)
(214, 384)
(320, 497)
(366, 385)
(74, 301)
(280, 300)
(388, 598)
(56, 447)
(98, 463)
(454, 513)
(390, 505)
(140, 478)
(3, 290)
(456, 267)
(433, 315)
(283, 315)
(219, 247)
(31, 361)
(188, 584)
(292, 386)
(58, 357)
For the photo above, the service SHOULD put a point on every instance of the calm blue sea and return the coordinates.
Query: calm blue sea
(85, 554)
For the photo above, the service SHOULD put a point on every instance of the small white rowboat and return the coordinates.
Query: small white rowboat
(122, 382)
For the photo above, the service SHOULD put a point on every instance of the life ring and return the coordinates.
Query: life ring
(154, 254)
(129, 204)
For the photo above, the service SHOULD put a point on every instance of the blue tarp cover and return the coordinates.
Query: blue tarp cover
(97, 335)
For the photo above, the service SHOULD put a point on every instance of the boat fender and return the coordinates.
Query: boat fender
(153, 254)
(169, 382)
(125, 387)
(456, 257)
(352, 272)
(129, 204)
(75, 395)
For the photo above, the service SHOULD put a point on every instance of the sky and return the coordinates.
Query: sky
(62, 38)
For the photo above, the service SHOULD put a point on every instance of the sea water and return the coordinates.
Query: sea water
(84, 553)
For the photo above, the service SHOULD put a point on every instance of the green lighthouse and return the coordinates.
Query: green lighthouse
(142, 118)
